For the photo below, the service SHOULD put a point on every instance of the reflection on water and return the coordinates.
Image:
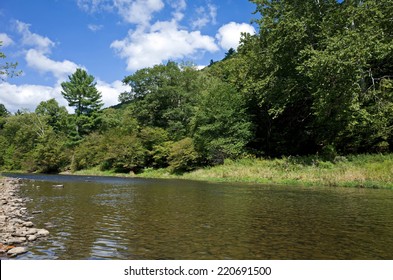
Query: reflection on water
(114, 218)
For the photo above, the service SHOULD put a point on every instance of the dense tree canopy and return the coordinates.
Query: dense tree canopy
(316, 78)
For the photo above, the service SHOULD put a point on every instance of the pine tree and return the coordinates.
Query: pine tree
(81, 93)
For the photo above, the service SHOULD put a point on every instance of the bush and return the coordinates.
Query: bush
(183, 156)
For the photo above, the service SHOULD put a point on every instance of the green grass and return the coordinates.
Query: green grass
(96, 171)
(368, 171)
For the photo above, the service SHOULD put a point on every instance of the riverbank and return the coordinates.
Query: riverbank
(363, 171)
(17, 232)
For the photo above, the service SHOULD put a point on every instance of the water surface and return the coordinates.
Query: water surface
(118, 218)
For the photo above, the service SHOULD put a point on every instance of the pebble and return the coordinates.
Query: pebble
(16, 240)
(42, 233)
(32, 238)
(28, 224)
(16, 251)
(16, 229)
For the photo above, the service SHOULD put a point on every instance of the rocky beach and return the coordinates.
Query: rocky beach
(17, 231)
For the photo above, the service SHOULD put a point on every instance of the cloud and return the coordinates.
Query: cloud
(5, 40)
(92, 6)
(16, 97)
(41, 43)
(94, 27)
(138, 11)
(229, 35)
(110, 92)
(163, 41)
(179, 7)
(205, 15)
(42, 63)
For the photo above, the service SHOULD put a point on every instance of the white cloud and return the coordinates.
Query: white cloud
(95, 27)
(110, 92)
(16, 97)
(42, 63)
(5, 40)
(138, 11)
(43, 44)
(205, 15)
(28, 96)
(92, 6)
(229, 35)
(164, 41)
(179, 6)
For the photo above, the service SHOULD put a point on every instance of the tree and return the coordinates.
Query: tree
(3, 114)
(183, 157)
(7, 69)
(315, 76)
(163, 96)
(221, 126)
(3, 111)
(81, 93)
(56, 116)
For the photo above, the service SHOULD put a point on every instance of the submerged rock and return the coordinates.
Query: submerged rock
(16, 251)
(42, 233)
(31, 238)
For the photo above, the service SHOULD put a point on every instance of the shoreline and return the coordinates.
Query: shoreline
(17, 231)
(374, 171)
(359, 171)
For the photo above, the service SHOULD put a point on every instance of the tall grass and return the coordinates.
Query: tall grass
(371, 171)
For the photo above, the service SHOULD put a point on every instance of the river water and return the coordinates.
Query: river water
(118, 218)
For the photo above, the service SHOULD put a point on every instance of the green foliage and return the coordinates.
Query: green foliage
(317, 79)
(56, 116)
(160, 154)
(89, 153)
(183, 156)
(81, 93)
(221, 126)
(123, 154)
(3, 111)
(163, 96)
(8, 68)
(50, 154)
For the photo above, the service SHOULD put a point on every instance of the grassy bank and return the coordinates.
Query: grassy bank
(369, 171)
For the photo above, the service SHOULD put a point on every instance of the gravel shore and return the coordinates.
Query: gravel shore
(17, 232)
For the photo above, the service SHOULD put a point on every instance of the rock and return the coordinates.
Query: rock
(5, 248)
(31, 231)
(36, 212)
(17, 251)
(16, 240)
(19, 233)
(3, 219)
(32, 237)
(58, 186)
(28, 224)
(42, 233)
(16, 221)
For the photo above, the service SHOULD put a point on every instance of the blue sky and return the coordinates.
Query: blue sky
(110, 39)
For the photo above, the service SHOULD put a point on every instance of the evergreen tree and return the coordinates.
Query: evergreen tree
(81, 93)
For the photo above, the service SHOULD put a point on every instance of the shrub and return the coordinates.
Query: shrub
(183, 156)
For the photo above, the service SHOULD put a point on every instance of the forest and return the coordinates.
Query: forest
(316, 79)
